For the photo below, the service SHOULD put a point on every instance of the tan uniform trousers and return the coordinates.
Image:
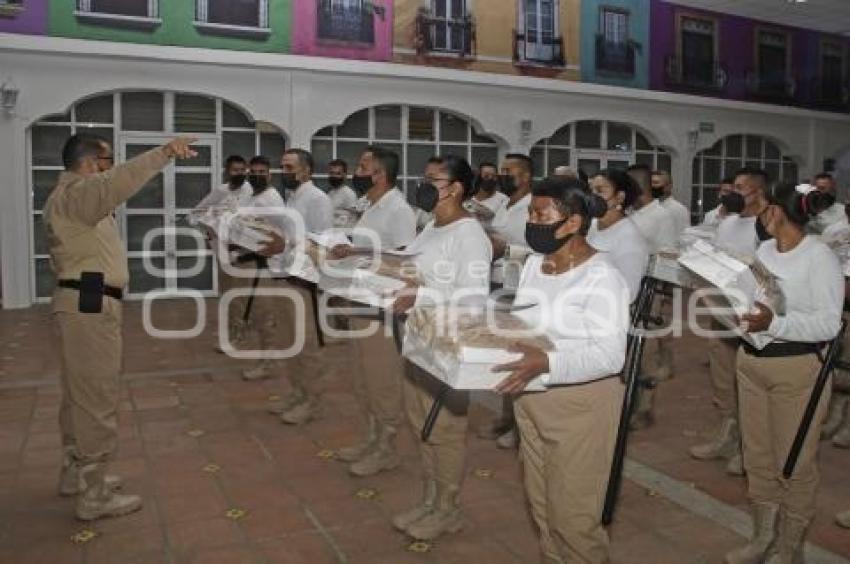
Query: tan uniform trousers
(444, 454)
(567, 437)
(264, 317)
(772, 394)
(304, 370)
(377, 384)
(236, 306)
(90, 344)
(721, 368)
(658, 351)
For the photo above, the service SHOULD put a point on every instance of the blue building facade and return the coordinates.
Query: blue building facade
(615, 42)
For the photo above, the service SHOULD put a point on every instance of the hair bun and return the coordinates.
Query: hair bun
(815, 202)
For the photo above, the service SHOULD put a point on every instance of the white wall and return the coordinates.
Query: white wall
(302, 94)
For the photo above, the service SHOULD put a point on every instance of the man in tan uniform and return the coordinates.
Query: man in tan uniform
(88, 258)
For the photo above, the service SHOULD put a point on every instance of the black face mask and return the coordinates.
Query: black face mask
(733, 202)
(237, 180)
(335, 181)
(427, 197)
(488, 185)
(761, 230)
(508, 184)
(361, 183)
(259, 182)
(541, 237)
(657, 193)
(288, 181)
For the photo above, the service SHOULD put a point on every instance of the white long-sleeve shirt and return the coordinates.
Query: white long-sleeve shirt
(225, 195)
(833, 214)
(656, 225)
(584, 311)
(314, 206)
(495, 202)
(453, 257)
(712, 217)
(810, 277)
(509, 222)
(737, 234)
(625, 247)
(342, 198)
(391, 218)
(681, 214)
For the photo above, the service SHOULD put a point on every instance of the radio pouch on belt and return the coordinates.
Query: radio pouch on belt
(91, 292)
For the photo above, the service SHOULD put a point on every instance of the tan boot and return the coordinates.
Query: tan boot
(446, 516)
(508, 440)
(259, 372)
(841, 439)
(735, 465)
(725, 442)
(301, 414)
(383, 457)
(98, 501)
(788, 548)
(429, 496)
(71, 479)
(643, 416)
(764, 533)
(355, 452)
(843, 519)
(834, 417)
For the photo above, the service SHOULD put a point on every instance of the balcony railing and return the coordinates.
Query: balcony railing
(615, 57)
(776, 89)
(698, 76)
(436, 34)
(543, 50)
(349, 24)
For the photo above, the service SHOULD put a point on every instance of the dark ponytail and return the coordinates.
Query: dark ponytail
(622, 182)
(572, 198)
(799, 208)
(459, 171)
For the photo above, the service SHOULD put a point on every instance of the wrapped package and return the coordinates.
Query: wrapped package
(366, 277)
(225, 223)
(481, 212)
(456, 344)
(665, 266)
(345, 218)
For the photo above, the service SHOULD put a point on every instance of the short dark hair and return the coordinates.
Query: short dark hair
(754, 172)
(80, 146)
(641, 174)
(485, 164)
(622, 182)
(339, 163)
(728, 180)
(260, 160)
(526, 161)
(572, 198)
(388, 161)
(234, 159)
(304, 157)
(823, 176)
(434, 160)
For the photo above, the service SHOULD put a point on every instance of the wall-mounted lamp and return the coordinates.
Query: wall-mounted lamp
(693, 139)
(8, 96)
(525, 127)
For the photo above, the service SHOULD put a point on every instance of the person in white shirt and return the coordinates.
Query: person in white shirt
(568, 432)
(655, 223)
(453, 254)
(714, 217)
(377, 384)
(311, 203)
(342, 196)
(423, 217)
(840, 230)
(662, 190)
(775, 380)
(235, 191)
(487, 193)
(613, 233)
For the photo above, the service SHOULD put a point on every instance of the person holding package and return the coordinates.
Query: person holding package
(569, 431)
(775, 381)
(452, 258)
(377, 383)
(88, 257)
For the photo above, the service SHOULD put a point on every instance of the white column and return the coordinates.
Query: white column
(14, 214)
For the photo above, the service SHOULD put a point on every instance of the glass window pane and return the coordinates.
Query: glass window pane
(105, 132)
(557, 157)
(457, 150)
(137, 228)
(421, 124)
(245, 13)
(753, 164)
(619, 137)
(731, 166)
(710, 198)
(39, 235)
(95, 110)
(771, 151)
(349, 151)
(151, 196)
(711, 172)
(641, 142)
(45, 279)
(734, 146)
(201, 281)
(417, 158)
(484, 155)
(323, 154)
(695, 176)
(790, 172)
(590, 167)
(562, 137)
(231, 116)
(453, 128)
(476, 138)
(43, 183)
(715, 150)
(589, 134)
(773, 169)
(754, 147)
(189, 243)
(190, 188)
(142, 281)
(58, 118)
(47, 143)
(647, 159)
(272, 145)
(388, 122)
(194, 113)
(325, 132)
(239, 143)
(356, 126)
(664, 163)
(137, 8)
(538, 158)
(142, 111)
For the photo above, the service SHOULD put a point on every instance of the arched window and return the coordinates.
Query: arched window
(593, 145)
(729, 154)
(415, 133)
(134, 121)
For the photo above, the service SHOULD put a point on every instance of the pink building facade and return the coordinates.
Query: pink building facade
(348, 29)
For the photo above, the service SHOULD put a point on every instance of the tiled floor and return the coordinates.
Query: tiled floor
(225, 482)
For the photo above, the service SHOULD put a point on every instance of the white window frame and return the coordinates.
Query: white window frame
(544, 52)
(605, 12)
(85, 14)
(447, 22)
(261, 31)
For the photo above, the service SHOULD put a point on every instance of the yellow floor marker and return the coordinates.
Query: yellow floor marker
(83, 536)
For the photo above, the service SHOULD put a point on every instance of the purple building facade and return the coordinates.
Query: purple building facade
(30, 18)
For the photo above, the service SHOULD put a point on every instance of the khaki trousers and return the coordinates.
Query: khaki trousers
(444, 454)
(567, 437)
(306, 368)
(90, 344)
(721, 369)
(236, 307)
(378, 382)
(772, 395)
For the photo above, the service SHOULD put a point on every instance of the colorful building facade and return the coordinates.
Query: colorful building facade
(615, 45)
(355, 29)
(28, 17)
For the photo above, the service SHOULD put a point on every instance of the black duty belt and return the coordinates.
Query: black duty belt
(774, 350)
(262, 262)
(111, 291)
